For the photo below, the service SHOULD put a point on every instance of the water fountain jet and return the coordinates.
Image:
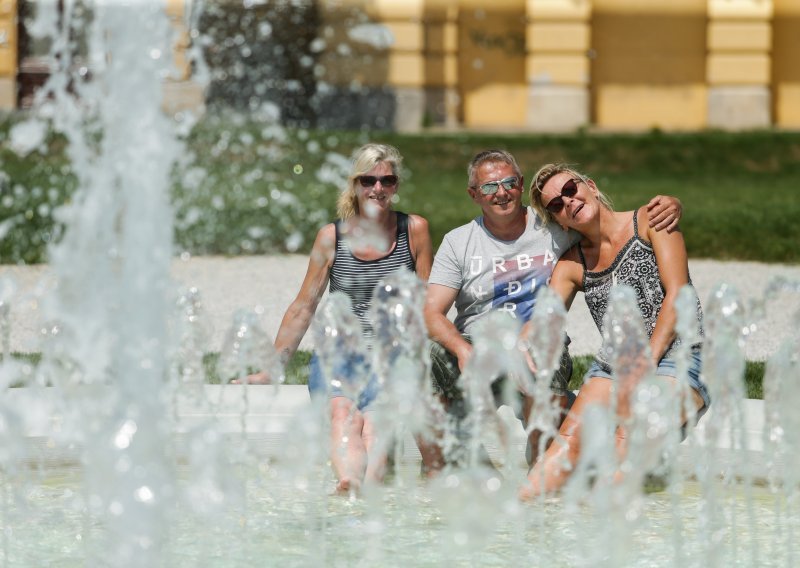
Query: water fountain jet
(139, 494)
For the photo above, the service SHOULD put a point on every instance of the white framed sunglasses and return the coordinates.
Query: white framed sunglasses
(491, 187)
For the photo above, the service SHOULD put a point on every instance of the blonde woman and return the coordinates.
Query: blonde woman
(615, 248)
(364, 205)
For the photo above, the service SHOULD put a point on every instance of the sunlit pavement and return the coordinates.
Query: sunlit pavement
(270, 283)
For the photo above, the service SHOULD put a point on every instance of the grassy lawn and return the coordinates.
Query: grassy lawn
(726, 182)
(297, 370)
(245, 186)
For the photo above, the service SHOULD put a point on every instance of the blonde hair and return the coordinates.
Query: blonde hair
(544, 175)
(364, 159)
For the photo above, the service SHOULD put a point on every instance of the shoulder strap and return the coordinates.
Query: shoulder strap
(580, 254)
(402, 222)
(338, 224)
(402, 227)
(636, 234)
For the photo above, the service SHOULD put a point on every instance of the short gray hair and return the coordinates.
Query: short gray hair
(491, 156)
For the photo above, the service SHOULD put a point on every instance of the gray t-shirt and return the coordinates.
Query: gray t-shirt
(493, 274)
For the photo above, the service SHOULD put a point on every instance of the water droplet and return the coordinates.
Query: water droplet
(144, 494)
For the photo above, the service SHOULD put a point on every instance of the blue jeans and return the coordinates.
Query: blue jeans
(354, 367)
(668, 368)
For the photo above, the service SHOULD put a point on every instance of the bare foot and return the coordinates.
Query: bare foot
(526, 492)
(431, 473)
(348, 487)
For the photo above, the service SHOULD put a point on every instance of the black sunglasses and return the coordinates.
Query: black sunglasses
(568, 190)
(386, 181)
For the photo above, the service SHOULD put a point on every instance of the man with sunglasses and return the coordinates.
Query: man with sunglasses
(499, 261)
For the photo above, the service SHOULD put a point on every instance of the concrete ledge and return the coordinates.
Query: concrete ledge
(259, 417)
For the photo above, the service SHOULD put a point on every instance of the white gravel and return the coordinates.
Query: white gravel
(271, 282)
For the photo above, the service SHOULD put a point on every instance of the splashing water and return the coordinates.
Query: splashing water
(7, 291)
(112, 280)
(247, 349)
(144, 495)
(192, 335)
(496, 353)
(400, 359)
(365, 233)
(545, 343)
(340, 347)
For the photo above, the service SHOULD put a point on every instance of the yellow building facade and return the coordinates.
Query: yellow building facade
(8, 54)
(539, 65)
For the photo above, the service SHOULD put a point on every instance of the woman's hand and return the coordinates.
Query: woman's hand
(261, 378)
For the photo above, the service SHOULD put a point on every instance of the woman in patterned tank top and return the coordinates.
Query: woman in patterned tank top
(616, 249)
(365, 206)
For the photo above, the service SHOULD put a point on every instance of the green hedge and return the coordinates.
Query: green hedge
(245, 185)
(297, 370)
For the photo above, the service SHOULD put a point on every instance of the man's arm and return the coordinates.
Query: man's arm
(438, 301)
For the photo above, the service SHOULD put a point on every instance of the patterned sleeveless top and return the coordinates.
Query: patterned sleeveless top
(635, 265)
(357, 278)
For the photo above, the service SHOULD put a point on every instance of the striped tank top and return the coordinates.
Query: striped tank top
(357, 278)
(635, 265)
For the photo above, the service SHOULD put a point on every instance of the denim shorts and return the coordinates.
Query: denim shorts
(668, 368)
(355, 366)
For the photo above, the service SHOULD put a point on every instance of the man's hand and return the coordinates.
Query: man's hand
(463, 355)
(664, 212)
(529, 360)
(524, 345)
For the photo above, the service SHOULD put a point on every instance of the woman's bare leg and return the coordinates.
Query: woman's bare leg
(535, 436)
(697, 401)
(562, 456)
(551, 471)
(623, 413)
(429, 442)
(376, 449)
(348, 453)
